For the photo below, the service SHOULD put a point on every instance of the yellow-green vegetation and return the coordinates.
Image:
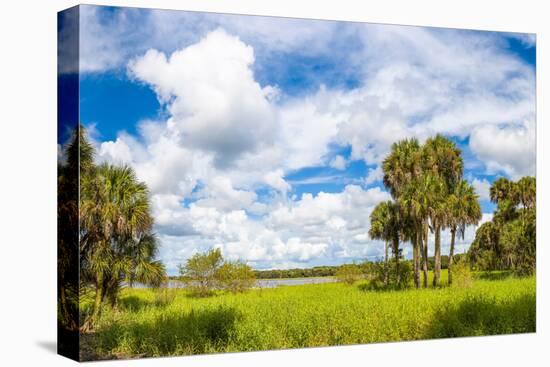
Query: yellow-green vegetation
(145, 324)
(349, 274)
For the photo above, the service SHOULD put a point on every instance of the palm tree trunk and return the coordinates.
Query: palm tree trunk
(416, 259)
(415, 269)
(425, 256)
(386, 263)
(437, 257)
(69, 320)
(451, 254)
(396, 255)
(99, 295)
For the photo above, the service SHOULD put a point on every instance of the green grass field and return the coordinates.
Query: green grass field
(149, 323)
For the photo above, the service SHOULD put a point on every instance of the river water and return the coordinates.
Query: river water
(261, 283)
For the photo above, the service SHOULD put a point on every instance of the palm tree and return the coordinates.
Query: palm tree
(502, 189)
(463, 210)
(437, 215)
(401, 167)
(527, 192)
(443, 159)
(411, 208)
(67, 236)
(410, 230)
(384, 227)
(116, 243)
(418, 200)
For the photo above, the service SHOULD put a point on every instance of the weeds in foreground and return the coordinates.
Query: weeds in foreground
(151, 324)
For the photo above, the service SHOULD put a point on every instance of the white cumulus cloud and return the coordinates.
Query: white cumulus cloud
(482, 188)
(506, 149)
(210, 92)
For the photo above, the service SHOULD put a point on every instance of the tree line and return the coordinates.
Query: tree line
(316, 271)
(330, 271)
(508, 241)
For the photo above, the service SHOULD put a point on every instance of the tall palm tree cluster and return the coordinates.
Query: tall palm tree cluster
(116, 244)
(429, 195)
(509, 240)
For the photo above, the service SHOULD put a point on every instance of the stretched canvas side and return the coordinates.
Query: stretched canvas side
(67, 183)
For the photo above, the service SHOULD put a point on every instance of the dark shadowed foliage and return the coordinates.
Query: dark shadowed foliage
(480, 315)
(199, 331)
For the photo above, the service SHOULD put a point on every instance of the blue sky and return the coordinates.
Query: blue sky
(264, 136)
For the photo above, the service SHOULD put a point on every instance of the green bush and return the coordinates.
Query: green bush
(390, 276)
(235, 277)
(199, 272)
(349, 274)
(204, 273)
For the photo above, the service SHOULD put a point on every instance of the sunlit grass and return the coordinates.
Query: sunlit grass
(147, 323)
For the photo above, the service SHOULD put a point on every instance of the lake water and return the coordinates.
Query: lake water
(262, 283)
(273, 283)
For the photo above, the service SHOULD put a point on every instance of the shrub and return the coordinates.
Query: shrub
(164, 296)
(462, 275)
(199, 272)
(206, 272)
(349, 273)
(398, 278)
(235, 276)
(401, 278)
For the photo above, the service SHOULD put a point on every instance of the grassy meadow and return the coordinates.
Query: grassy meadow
(150, 322)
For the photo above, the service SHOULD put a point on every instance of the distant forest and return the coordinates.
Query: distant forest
(329, 271)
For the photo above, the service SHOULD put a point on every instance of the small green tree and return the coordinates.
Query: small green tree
(235, 276)
(200, 272)
(349, 274)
